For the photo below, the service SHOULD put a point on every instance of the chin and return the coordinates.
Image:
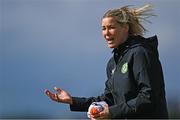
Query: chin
(111, 46)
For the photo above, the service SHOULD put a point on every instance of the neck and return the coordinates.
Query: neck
(123, 41)
(125, 38)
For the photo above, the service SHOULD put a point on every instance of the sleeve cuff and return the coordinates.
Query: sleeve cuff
(77, 104)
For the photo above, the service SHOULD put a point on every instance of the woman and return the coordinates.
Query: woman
(135, 85)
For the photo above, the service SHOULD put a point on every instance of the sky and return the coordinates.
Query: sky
(47, 43)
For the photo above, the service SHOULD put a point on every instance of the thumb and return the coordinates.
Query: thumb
(57, 89)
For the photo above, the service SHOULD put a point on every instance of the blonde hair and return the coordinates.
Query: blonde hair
(132, 17)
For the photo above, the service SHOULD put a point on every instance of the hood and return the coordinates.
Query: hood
(150, 43)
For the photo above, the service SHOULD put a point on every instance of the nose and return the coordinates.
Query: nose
(106, 32)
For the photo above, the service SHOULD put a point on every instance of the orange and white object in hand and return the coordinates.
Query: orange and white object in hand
(95, 108)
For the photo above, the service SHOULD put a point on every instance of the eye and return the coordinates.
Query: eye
(112, 27)
(103, 28)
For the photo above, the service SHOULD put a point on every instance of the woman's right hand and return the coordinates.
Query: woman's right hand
(61, 96)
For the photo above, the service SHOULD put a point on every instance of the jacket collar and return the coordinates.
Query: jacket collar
(124, 45)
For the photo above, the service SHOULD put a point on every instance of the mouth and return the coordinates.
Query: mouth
(110, 40)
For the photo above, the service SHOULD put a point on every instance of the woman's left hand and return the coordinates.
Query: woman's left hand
(103, 114)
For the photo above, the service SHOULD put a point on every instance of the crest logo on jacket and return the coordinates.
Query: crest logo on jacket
(124, 68)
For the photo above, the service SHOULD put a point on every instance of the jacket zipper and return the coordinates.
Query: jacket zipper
(114, 73)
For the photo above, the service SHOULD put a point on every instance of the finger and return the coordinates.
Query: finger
(57, 89)
(101, 115)
(51, 95)
(95, 115)
(47, 92)
(58, 96)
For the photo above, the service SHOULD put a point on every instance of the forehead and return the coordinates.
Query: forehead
(109, 21)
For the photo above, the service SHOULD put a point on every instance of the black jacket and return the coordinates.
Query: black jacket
(135, 85)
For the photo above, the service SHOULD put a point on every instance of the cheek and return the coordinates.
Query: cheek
(119, 37)
(113, 32)
(120, 33)
(103, 34)
(117, 34)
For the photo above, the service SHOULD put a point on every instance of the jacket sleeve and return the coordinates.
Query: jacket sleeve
(82, 103)
(142, 103)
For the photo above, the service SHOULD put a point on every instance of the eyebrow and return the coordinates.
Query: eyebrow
(108, 25)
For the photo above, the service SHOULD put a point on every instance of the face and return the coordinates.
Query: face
(114, 33)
